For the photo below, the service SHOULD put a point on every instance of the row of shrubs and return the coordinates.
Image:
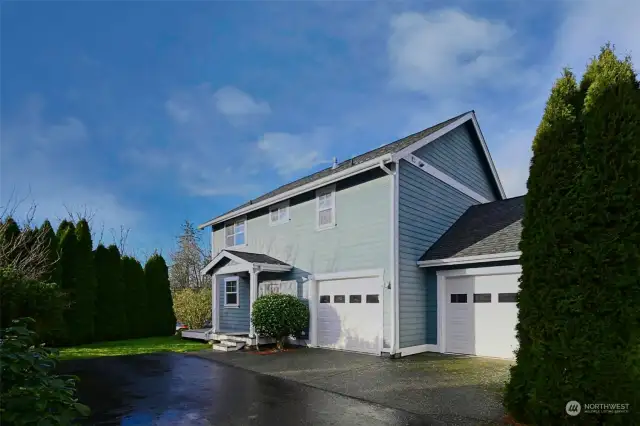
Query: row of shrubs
(81, 295)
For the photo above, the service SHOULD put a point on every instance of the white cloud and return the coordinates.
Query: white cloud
(233, 102)
(447, 51)
(291, 153)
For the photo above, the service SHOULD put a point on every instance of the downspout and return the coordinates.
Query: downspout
(392, 265)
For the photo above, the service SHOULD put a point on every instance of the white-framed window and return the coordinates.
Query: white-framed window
(231, 294)
(279, 213)
(326, 207)
(235, 233)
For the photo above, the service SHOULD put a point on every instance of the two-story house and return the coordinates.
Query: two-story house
(408, 248)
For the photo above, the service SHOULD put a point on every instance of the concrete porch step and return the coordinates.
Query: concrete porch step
(228, 346)
(231, 338)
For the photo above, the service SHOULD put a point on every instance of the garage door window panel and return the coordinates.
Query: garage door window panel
(325, 299)
(507, 297)
(373, 298)
(355, 298)
(338, 299)
(482, 298)
(459, 298)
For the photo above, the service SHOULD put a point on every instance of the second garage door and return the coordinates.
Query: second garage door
(350, 314)
(481, 315)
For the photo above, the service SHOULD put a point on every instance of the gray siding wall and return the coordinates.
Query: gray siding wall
(427, 208)
(234, 319)
(360, 240)
(459, 155)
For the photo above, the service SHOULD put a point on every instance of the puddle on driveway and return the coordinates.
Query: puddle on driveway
(173, 389)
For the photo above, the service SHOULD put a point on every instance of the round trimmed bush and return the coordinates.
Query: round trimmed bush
(279, 316)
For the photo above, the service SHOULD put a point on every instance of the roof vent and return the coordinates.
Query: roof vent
(335, 163)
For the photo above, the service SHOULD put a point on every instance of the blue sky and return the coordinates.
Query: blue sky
(150, 113)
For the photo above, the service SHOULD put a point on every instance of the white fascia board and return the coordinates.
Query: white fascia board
(367, 165)
(489, 270)
(430, 138)
(485, 148)
(218, 258)
(514, 255)
(428, 168)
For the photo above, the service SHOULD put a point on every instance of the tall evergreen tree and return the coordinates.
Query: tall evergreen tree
(579, 322)
(137, 313)
(9, 250)
(160, 302)
(68, 246)
(53, 274)
(110, 319)
(86, 284)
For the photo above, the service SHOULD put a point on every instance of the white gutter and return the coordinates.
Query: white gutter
(513, 255)
(367, 165)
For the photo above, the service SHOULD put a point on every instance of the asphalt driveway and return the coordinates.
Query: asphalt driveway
(177, 389)
(450, 389)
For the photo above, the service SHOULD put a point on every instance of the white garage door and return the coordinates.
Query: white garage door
(481, 315)
(350, 314)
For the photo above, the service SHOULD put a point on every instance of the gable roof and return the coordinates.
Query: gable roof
(399, 146)
(257, 258)
(484, 229)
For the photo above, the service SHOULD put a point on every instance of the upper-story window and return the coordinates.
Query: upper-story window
(279, 213)
(235, 233)
(326, 207)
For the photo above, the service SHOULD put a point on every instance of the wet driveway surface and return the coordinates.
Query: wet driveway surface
(175, 389)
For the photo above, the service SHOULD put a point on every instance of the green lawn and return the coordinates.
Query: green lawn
(132, 347)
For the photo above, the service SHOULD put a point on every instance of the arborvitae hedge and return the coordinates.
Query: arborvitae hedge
(67, 264)
(136, 297)
(53, 275)
(579, 316)
(85, 284)
(160, 303)
(111, 322)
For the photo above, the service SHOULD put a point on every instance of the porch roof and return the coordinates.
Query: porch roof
(246, 261)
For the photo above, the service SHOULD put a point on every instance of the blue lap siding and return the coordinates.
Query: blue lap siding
(235, 319)
(428, 207)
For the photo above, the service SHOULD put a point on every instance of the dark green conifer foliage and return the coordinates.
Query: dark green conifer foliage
(136, 297)
(160, 302)
(85, 292)
(579, 321)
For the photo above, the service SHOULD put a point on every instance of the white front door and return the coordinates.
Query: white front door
(350, 314)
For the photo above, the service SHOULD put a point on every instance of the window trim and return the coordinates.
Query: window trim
(330, 189)
(237, 292)
(277, 207)
(235, 222)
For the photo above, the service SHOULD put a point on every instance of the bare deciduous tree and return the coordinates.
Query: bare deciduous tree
(28, 251)
(188, 259)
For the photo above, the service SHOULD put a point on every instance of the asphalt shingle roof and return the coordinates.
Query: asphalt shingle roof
(257, 258)
(483, 229)
(390, 148)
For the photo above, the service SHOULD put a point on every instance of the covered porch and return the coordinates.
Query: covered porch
(235, 276)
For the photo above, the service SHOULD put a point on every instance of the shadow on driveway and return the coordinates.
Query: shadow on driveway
(176, 389)
(452, 389)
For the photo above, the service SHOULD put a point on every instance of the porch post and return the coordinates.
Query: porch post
(253, 295)
(215, 304)
(313, 312)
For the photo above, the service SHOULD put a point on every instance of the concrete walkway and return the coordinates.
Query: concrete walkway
(453, 389)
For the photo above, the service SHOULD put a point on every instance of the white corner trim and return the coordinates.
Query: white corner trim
(441, 307)
(343, 275)
(367, 165)
(412, 350)
(485, 148)
(491, 270)
(395, 286)
(512, 255)
(428, 168)
(215, 303)
(237, 280)
(430, 138)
